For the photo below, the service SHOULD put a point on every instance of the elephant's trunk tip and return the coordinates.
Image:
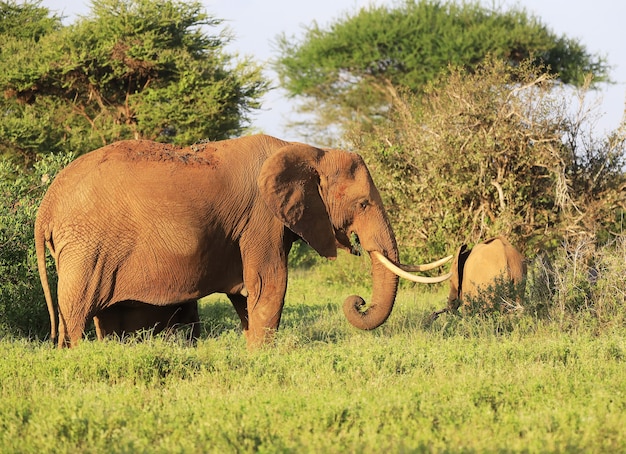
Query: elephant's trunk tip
(354, 308)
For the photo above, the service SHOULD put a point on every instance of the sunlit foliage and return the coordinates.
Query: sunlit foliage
(129, 69)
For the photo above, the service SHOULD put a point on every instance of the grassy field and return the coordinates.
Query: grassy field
(474, 384)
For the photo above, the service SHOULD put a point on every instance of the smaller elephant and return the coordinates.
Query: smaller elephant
(128, 317)
(478, 271)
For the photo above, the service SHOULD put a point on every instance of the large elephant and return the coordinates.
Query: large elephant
(476, 272)
(127, 317)
(150, 222)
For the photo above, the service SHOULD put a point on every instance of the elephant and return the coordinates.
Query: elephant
(128, 317)
(477, 271)
(138, 220)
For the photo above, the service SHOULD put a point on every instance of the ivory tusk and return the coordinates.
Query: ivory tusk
(426, 266)
(411, 277)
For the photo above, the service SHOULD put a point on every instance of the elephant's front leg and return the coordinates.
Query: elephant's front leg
(266, 286)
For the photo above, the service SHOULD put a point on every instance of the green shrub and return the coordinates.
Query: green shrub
(583, 283)
(502, 295)
(303, 256)
(22, 306)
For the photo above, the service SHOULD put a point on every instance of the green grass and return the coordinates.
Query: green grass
(474, 384)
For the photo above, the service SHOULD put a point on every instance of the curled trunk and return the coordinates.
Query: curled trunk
(384, 289)
(384, 284)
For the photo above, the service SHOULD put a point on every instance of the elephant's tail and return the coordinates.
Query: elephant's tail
(40, 248)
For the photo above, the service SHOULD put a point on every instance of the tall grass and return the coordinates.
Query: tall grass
(500, 382)
(370, 392)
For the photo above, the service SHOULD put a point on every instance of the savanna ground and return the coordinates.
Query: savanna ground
(490, 383)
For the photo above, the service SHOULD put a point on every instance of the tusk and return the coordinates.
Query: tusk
(411, 277)
(426, 266)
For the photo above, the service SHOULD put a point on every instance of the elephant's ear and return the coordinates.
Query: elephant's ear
(457, 273)
(462, 256)
(289, 185)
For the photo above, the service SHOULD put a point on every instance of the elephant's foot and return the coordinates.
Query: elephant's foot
(258, 338)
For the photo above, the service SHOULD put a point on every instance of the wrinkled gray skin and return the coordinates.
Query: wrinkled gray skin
(154, 223)
(475, 270)
(128, 317)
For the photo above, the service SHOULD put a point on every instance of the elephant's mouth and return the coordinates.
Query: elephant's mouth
(355, 244)
(348, 242)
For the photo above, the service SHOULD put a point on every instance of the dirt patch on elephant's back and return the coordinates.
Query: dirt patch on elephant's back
(145, 150)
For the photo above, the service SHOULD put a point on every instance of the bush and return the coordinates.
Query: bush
(584, 282)
(583, 286)
(495, 151)
(22, 308)
(503, 295)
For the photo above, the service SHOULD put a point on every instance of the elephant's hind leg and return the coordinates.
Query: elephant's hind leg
(71, 329)
(62, 340)
(70, 332)
(79, 290)
(100, 332)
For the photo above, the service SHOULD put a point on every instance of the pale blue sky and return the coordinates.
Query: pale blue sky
(598, 24)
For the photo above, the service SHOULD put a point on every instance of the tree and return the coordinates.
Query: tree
(27, 20)
(131, 69)
(494, 150)
(342, 72)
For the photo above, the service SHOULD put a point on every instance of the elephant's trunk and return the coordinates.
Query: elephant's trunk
(384, 288)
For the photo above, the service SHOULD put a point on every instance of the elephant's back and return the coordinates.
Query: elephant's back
(110, 177)
(122, 166)
(132, 159)
(487, 257)
(135, 153)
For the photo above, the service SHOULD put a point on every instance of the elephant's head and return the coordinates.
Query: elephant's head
(326, 197)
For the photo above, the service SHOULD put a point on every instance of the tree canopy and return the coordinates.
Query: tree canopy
(130, 69)
(27, 21)
(342, 72)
